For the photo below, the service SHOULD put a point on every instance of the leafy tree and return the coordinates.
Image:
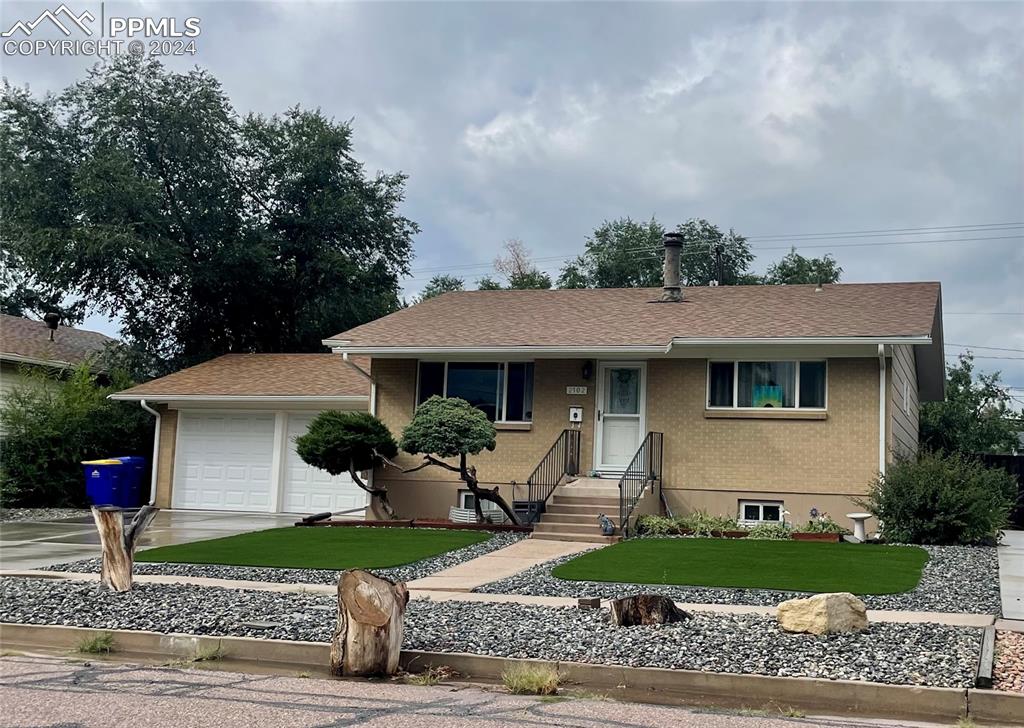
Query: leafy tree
(350, 442)
(453, 428)
(624, 253)
(488, 284)
(795, 268)
(51, 426)
(140, 192)
(975, 416)
(439, 284)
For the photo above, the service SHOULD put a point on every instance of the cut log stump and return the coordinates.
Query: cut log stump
(371, 618)
(119, 542)
(646, 609)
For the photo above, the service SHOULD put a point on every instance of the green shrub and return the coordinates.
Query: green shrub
(50, 426)
(771, 532)
(702, 523)
(942, 499)
(656, 526)
(823, 524)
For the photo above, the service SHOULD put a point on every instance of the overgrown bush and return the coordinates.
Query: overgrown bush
(50, 426)
(942, 499)
(771, 532)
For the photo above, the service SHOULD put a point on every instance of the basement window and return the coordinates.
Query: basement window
(766, 384)
(501, 390)
(754, 513)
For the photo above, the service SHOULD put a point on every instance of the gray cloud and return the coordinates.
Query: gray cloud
(537, 121)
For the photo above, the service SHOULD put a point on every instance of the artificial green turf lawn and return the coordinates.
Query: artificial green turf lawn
(785, 565)
(318, 548)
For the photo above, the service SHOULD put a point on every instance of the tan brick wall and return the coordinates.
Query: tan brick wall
(430, 492)
(165, 469)
(836, 455)
(712, 462)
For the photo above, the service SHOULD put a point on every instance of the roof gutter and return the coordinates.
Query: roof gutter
(268, 399)
(345, 348)
(156, 451)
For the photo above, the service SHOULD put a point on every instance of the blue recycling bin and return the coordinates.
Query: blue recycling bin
(114, 481)
(133, 473)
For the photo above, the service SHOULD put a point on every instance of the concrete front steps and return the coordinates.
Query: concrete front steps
(573, 510)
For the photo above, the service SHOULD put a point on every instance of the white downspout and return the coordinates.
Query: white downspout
(373, 397)
(156, 451)
(881, 409)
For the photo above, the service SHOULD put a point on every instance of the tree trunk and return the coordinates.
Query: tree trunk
(380, 506)
(646, 609)
(468, 475)
(368, 638)
(118, 543)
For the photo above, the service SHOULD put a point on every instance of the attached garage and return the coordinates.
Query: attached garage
(227, 433)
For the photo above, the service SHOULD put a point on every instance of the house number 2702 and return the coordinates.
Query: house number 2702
(575, 390)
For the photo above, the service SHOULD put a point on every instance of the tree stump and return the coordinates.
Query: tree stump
(646, 609)
(371, 612)
(118, 543)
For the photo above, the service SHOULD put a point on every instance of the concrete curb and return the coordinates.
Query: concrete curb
(643, 684)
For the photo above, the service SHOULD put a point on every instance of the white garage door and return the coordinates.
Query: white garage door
(223, 461)
(308, 490)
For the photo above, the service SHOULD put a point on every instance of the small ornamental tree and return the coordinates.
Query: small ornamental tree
(453, 428)
(350, 442)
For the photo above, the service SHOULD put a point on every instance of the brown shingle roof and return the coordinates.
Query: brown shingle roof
(261, 375)
(22, 338)
(633, 317)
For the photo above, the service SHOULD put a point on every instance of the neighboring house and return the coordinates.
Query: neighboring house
(227, 429)
(27, 344)
(770, 399)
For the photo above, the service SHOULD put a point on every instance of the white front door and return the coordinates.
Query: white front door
(308, 489)
(621, 392)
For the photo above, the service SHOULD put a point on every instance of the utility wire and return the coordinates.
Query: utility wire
(652, 249)
(990, 348)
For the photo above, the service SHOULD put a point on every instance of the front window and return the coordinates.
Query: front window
(754, 513)
(766, 384)
(501, 390)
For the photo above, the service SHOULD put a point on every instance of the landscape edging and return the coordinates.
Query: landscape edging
(642, 683)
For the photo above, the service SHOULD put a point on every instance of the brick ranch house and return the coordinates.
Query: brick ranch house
(763, 399)
(757, 402)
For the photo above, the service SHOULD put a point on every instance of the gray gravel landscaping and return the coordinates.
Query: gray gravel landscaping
(24, 515)
(955, 579)
(406, 572)
(891, 653)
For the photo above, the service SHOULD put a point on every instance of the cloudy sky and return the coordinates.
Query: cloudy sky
(783, 121)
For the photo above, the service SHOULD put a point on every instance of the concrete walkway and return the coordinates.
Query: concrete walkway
(496, 565)
(953, 619)
(1011, 574)
(33, 544)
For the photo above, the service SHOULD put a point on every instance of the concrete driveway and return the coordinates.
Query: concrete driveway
(33, 544)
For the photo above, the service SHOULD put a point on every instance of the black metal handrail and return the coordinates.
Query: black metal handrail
(563, 459)
(643, 472)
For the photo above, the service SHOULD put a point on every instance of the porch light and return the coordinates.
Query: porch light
(588, 370)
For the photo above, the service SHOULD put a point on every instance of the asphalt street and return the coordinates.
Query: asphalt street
(37, 691)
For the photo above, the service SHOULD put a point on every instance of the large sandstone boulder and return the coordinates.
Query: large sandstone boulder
(824, 614)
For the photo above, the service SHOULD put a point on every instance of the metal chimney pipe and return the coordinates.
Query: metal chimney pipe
(673, 243)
